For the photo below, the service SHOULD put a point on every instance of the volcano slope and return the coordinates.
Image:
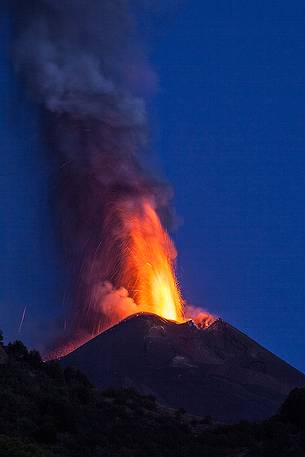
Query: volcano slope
(217, 371)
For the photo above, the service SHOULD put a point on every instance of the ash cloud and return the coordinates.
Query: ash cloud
(75, 57)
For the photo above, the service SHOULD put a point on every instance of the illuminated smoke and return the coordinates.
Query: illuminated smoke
(202, 318)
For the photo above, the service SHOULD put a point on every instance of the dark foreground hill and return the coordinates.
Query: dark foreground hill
(217, 371)
(50, 411)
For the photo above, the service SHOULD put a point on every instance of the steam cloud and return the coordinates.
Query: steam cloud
(78, 58)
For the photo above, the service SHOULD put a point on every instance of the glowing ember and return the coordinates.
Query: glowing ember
(149, 258)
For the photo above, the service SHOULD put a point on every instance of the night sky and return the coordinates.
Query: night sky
(228, 129)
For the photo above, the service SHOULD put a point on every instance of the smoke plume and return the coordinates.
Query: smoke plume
(77, 59)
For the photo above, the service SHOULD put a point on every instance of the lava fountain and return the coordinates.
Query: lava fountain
(148, 270)
(141, 275)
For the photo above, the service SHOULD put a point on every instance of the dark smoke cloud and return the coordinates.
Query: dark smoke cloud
(77, 58)
(74, 54)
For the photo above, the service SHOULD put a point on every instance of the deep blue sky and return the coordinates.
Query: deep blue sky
(30, 273)
(230, 127)
(228, 124)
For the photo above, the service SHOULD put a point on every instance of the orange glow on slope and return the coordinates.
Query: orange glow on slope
(149, 264)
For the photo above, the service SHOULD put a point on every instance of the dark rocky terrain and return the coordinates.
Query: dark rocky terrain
(216, 371)
(47, 410)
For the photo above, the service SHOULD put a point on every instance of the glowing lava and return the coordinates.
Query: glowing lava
(150, 254)
(144, 258)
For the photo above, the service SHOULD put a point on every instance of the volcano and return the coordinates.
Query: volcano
(216, 371)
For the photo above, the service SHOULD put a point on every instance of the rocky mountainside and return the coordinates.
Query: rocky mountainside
(216, 371)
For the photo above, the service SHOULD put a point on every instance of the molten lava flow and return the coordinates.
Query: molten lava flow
(149, 264)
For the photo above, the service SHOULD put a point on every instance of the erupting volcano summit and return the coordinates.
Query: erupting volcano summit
(112, 210)
(216, 370)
